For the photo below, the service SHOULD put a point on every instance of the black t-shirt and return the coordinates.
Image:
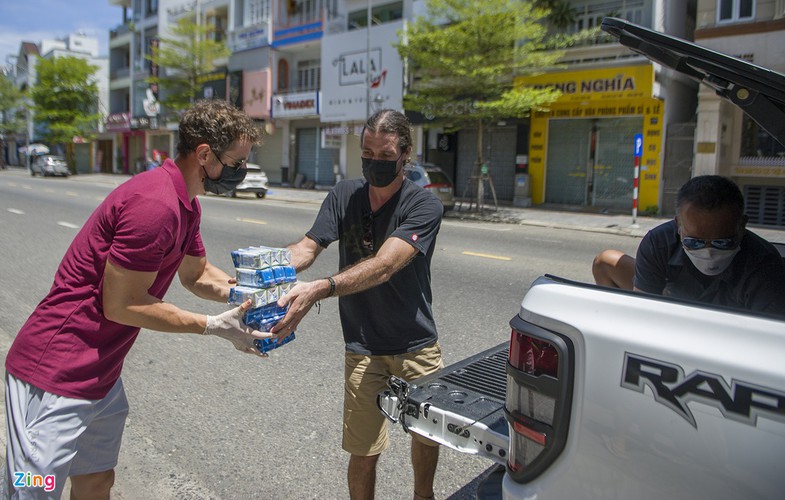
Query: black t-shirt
(394, 317)
(755, 279)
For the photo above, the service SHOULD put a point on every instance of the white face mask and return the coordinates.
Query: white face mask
(711, 261)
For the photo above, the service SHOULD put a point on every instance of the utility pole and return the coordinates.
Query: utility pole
(368, 63)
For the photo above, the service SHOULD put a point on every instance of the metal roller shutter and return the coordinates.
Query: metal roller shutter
(313, 161)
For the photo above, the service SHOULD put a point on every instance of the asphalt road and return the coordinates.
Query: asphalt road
(209, 422)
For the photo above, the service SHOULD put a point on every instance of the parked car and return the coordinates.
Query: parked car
(47, 165)
(255, 182)
(435, 180)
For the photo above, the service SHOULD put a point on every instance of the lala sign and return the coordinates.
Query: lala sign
(353, 66)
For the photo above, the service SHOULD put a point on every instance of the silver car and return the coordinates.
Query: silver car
(433, 178)
(47, 165)
(255, 182)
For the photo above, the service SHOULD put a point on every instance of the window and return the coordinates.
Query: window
(283, 75)
(729, 11)
(256, 12)
(151, 8)
(757, 146)
(309, 74)
(379, 15)
(218, 25)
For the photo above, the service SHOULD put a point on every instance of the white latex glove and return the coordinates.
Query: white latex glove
(230, 326)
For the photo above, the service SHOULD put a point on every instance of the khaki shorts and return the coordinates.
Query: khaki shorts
(364, 426)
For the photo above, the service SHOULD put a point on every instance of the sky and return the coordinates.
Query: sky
(36, 20)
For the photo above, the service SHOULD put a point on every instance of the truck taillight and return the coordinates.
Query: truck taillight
(532, 356)
(539, 397)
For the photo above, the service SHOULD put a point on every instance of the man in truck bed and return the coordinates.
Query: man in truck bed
(704, 254)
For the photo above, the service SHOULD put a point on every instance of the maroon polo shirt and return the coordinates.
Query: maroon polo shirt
(67, 346)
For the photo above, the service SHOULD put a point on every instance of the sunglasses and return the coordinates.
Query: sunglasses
(367, 240)
(238, 164)
(720, 243)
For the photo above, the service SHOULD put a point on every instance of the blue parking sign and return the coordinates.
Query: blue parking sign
(638, 144)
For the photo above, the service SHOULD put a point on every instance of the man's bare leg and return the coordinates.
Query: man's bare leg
(95, 486)
(613, 268)
(362, 477)
(424, 461)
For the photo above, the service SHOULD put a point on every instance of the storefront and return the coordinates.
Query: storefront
(581, 150)
(314, 160)
(119, 124)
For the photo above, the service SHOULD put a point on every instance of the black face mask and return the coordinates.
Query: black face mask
(229, 179)
(380, 173)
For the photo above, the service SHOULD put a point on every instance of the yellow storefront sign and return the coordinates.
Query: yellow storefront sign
(627, 82)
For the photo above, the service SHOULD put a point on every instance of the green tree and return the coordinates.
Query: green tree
(65, 98)
(465, 68)
(12, 108)
(183, 58)
(562, 14)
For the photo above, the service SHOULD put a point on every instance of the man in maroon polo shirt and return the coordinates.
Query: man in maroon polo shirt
(65, 404)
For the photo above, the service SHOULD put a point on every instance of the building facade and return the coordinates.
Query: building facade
(582, 150)
(727, 142)
(24, 73)
(310, 71)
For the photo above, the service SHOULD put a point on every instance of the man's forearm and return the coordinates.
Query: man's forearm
(160, 316)
(213, 284)
(375, 270)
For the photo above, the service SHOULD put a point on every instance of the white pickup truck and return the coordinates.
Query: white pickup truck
(605, 393)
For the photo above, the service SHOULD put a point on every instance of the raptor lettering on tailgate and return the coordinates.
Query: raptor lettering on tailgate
(739, 401)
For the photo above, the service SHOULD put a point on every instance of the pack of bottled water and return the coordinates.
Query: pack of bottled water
(263, 274)
(261, 257)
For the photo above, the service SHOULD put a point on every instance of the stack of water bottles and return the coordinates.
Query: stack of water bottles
(264, 274)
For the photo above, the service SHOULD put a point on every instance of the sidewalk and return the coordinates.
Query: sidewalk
(536, 216)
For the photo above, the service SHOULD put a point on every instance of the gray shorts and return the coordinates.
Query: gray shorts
(51, 437)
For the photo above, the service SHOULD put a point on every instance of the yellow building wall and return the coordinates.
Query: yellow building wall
(601, 93)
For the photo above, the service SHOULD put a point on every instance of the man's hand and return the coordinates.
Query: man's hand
(300, 300)
(230, 326)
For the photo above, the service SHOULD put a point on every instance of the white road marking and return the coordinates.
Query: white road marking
(16, 211)
(67, 224)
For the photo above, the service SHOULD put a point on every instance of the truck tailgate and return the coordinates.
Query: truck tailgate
(461, 406)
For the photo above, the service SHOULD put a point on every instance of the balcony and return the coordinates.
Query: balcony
(120, 30)
(120, 73)
(290, 35)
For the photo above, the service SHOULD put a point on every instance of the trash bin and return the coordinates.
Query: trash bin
(522, 193)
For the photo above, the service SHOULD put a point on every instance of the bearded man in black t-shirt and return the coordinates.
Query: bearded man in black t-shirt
(386, 229)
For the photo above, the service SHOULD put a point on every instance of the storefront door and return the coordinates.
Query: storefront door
(313, 161)
(591, 162)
